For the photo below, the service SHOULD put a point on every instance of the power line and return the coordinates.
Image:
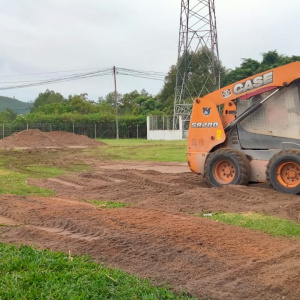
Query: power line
(152, 75)
(54, 72)
(59, 79)
(142, 74)
(140, 71)
(44, 80)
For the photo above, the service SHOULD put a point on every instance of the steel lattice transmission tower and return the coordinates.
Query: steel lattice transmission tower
(197, 32)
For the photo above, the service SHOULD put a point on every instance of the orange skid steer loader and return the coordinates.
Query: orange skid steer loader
(249, 131)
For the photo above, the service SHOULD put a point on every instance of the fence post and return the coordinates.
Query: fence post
(26, 126)
(73, 128)
(95, 130)
(137, 131)
(3, 131)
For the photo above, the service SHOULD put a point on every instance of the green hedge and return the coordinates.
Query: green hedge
(93, 125)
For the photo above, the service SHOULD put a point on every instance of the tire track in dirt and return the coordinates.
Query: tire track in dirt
(152, 239)
(65, 182)
(73, 232)
(185, 192)
(202, 256)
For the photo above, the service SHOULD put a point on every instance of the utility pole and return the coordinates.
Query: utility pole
(116, 103)
(197, 32)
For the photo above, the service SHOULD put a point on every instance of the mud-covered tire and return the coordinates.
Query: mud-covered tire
(227, 166)
(283, 172)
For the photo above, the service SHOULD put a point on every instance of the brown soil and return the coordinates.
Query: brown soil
(34, 138)
(159, 236)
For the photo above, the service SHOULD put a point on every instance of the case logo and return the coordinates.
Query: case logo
(206, 111)
(254, 83)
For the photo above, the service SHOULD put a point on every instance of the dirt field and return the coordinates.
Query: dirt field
(158, 236)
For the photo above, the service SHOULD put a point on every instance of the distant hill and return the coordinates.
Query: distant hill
(21, 108)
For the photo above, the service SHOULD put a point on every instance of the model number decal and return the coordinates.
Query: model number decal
(205, 125)
(226, 93)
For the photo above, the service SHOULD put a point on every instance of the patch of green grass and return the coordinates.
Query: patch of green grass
(273, 225)
(19, 160)
(16, 184)
(18, 165)
(142, 150)
(108, 204)
(39, 171)
(27, 273)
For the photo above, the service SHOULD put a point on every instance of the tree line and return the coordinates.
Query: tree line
(133, 107)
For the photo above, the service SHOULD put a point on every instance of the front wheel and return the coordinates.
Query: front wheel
(227, 166)
(283, 171)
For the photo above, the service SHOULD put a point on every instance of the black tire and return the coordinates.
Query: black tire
(283, 172)
(227, 166)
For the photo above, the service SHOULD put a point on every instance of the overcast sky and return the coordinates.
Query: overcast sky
(58, 35)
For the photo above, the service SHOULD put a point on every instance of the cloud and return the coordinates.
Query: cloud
(55, 35)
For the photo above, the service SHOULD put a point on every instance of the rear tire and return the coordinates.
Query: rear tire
(227, 166)
(283, 172)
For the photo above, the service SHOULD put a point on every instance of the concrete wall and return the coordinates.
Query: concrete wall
(167, 135)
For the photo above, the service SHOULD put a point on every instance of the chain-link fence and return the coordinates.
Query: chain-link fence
(162, 122)
(92, 130)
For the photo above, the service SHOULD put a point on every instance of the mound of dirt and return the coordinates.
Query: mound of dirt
(34, 138)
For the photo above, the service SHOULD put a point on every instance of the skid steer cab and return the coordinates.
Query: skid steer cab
(249, 131)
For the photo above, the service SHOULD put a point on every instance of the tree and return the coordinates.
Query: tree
(128, 103)
(203, 73)
(110, 99)
(167, 94)
(55, 108)
(47, 97)
(249, 67)
(138, 103)
(200, 78)
(7, 116)
(145, 105)
(80, 104)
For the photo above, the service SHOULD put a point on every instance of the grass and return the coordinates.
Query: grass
(24, 161)
(40, 171)
(27, 273)
(15, 181)
(17, 166)
(16, 184)
(273, 225)
(142, 150)
(108, 204)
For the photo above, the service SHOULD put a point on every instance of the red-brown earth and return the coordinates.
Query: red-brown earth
(35, 139)
(159, 236)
